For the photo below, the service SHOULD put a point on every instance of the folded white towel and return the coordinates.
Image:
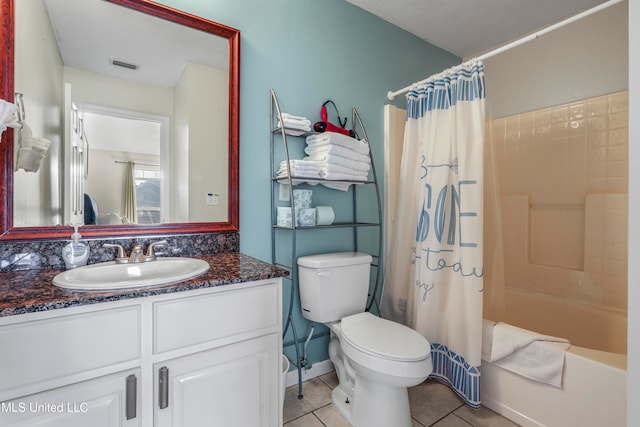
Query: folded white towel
(291, 117)
(307, 169)
(342, 186)
(508, 338)
(336, 168)
(326, 138)
(342, 161)
(298, 173)
(290, 121)
(320, 166)
(8, 116)
(335, 176)
(534, 356)
(297, 163)
(316, 153)
(296, 125)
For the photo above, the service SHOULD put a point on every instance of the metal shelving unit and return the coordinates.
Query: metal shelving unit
(282, 134)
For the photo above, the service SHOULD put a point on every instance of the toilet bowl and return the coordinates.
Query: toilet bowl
(385, 358)
(376, 360)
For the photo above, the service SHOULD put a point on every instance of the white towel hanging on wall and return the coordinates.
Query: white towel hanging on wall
(8, 116)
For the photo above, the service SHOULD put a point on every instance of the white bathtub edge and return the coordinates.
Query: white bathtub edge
(593, 394)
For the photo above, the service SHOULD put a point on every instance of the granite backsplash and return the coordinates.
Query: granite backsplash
(28, 255)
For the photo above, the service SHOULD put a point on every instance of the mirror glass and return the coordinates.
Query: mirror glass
(129, 119)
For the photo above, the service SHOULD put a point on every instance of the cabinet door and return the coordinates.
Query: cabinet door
(234, 385)
(109, 401)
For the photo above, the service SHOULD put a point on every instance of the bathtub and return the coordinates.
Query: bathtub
(593, 392)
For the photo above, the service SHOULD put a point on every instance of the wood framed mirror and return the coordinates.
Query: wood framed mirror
(12, 191)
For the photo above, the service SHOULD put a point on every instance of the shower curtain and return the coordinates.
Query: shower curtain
(433, 279)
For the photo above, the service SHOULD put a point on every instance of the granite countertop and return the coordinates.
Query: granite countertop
(32, 290)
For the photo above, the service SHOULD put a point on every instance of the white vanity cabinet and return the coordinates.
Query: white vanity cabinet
(209, 356)
(229, 386)
(107, 401)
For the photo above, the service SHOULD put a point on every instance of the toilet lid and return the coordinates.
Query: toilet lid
(384, 338)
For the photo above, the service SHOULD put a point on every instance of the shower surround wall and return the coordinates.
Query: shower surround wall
(562, 173)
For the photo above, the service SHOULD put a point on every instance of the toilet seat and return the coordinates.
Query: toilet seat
(383, 338)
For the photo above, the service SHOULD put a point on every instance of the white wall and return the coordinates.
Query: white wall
(200, 152)
(98, 89)
(633, 364)
(208, 142)
(39, 79)
(584, 59)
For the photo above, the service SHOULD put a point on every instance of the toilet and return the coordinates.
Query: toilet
(376, 360)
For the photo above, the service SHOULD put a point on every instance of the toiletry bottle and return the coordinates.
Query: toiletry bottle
(75, 253)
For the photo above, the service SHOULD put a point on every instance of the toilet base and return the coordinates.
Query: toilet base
(374, 405)
(342, 402)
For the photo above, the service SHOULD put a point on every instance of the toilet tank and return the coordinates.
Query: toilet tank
(333, 285)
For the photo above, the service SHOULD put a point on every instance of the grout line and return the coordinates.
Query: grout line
(317, 418)
(417, 422)
(462, 419)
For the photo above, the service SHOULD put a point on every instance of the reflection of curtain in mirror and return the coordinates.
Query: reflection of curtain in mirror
(130, 210)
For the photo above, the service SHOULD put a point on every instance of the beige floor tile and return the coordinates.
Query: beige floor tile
(432, 405)
(452, 421)
(431, 401)
(316, 395)
(331, 417)
(330, 379)
(308, 420)
(483, 417)
(415, 423)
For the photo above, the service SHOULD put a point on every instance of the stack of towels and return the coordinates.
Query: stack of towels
(333, 157)
(295, 125)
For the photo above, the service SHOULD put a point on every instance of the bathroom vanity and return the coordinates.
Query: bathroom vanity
(202, 352)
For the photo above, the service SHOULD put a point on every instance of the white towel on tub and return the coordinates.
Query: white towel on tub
(534, 356)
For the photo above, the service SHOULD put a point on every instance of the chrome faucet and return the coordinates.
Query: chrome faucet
(121, 258)
(151, 250)
(136, 255)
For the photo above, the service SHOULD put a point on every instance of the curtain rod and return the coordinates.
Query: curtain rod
(137, 163)
(522, 40)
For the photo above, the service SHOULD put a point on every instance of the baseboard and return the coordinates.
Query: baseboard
(317, 369)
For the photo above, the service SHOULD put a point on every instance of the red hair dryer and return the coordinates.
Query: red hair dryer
(327, 126)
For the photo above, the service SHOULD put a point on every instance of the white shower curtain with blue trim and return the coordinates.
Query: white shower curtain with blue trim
(433, 278)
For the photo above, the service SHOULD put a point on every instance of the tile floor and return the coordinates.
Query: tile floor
(432, 404)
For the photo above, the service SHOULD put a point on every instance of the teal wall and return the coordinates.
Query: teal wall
(310, 51)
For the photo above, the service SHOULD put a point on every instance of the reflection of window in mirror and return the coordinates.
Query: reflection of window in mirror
(147, 181)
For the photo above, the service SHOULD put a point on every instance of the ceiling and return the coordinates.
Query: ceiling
(464, 28)
(92, 33)
(469, 28)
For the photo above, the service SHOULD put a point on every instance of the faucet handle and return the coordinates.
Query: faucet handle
(151, 249)
(121, 257)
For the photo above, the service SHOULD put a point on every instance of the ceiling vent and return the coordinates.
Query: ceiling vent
(124, 64)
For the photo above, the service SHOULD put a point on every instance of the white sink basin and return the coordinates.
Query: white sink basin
(109, 275)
